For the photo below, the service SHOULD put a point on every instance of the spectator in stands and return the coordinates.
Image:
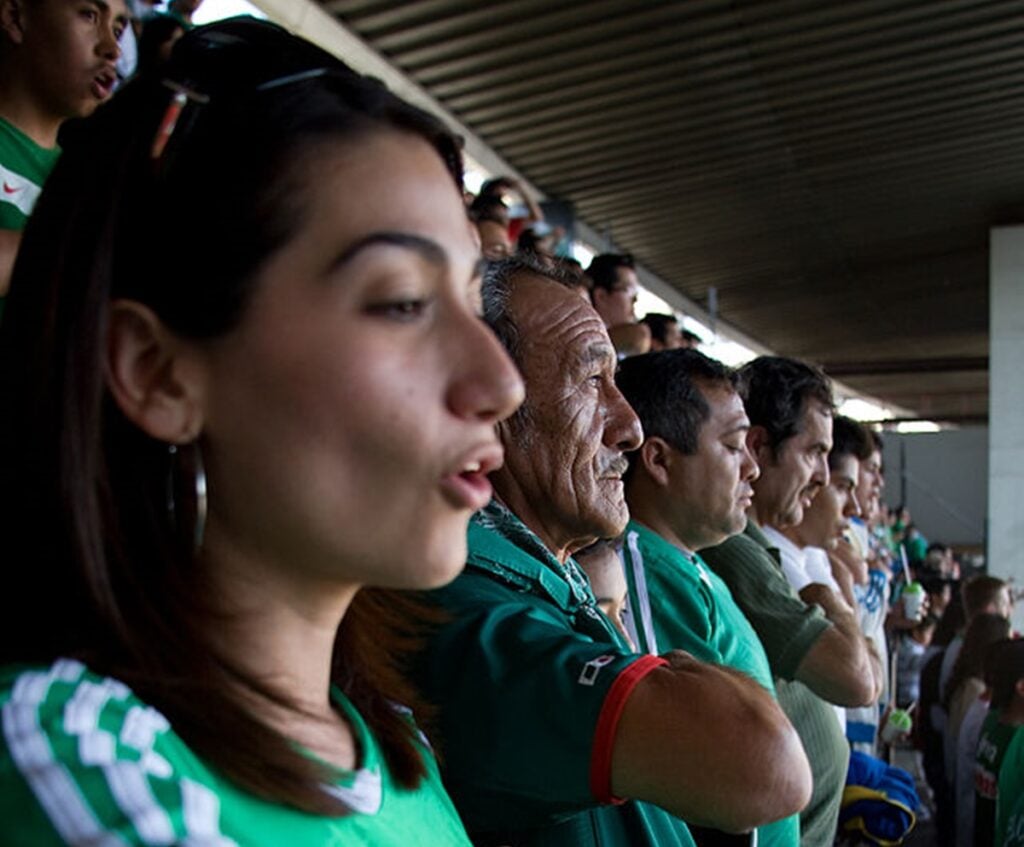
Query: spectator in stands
(690, 340)
(601, 563)
(997, 773)
(546, 715)
(689, 487)
(613, 291)
(979, 595)
(966, 683)
(817, 653)
(169, 634)
(911, 654)
(664, 329)
(967, 747)
(183, 10)
(510, 192)
(57, 61)
(159, 34)
(490, 216)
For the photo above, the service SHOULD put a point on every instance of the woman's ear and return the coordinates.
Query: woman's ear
(156, 378)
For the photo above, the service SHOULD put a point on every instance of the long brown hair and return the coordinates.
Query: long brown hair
(93, 567)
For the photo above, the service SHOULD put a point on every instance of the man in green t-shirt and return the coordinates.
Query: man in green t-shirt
(689, 487)
(57, 61)
(816, 659)
(552, 730)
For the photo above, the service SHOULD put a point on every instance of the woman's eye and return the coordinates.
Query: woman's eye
(402, 310)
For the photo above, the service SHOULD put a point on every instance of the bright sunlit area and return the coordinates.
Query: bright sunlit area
(215, 10)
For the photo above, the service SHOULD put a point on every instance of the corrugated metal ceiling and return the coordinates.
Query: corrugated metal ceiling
(831, 168)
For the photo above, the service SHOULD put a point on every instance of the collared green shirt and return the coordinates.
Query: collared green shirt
(677, 603)
(530, 678)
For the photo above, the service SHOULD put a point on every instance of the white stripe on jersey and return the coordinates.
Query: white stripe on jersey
(641, 616)
(54, 786)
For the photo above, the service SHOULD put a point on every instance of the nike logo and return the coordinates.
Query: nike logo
(10, 189)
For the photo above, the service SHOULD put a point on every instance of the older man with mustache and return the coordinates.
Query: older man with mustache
(816, 658)
(552, 730)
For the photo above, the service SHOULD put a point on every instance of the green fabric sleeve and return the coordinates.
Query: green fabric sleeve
(787, 626)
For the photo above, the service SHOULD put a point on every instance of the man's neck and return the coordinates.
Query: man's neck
(644, 510)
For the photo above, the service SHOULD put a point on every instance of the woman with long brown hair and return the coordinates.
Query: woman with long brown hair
(242, 378)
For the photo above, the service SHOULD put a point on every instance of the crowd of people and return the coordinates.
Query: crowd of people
(340, 509)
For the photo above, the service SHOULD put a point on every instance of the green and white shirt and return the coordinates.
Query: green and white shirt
(24, 167)
(84, 762)
(677, 603)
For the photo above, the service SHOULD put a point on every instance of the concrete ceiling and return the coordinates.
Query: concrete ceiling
(832, 169)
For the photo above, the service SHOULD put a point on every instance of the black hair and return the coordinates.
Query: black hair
(849, 438)
(776, 391)
(1006, 659)
(658, 324)
(666, 390)
(982, 632)
(604, 269)
(181, 222)
(487, 207)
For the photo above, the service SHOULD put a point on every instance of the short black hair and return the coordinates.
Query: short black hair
(1006, 661)
(665, 390)
(604, 269)
(658, 324)
(849, 438)
(487, 207)
(775, 392)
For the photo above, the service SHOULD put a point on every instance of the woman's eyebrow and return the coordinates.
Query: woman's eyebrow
(425, 248)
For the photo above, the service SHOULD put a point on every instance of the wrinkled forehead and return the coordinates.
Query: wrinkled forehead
(553, 319)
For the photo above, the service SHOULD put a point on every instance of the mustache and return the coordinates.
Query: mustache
(616, 467)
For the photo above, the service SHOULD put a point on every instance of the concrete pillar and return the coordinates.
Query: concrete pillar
(1006, 408)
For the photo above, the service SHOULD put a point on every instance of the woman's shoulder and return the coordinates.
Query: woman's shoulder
(81, 757)
(84, 760)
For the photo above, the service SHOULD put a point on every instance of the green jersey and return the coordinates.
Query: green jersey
(677, 603)
(995, 737)
(1009, 823)
(24, 167)
(531, 679)
(84, 761)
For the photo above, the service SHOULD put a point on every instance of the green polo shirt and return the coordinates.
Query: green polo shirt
(677, 603)
(84, 761)
(530, 679)
(1009, 821)
(788, 628)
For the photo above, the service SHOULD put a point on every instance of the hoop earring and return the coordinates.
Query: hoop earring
(186, 493)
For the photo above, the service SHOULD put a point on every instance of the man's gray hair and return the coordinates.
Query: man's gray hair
(499, 281)
(496, 293)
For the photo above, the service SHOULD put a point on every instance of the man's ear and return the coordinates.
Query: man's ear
(656, 457)
(759, 443)
(12, 19)
(154, 376)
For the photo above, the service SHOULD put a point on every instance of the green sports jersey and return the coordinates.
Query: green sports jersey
(1015, 826)
(993, 741)
(84, 761)
(677, 603)
(530, 679)
(24, 167)
(1011, 791)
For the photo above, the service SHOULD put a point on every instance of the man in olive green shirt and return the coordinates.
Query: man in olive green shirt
(816, 659)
